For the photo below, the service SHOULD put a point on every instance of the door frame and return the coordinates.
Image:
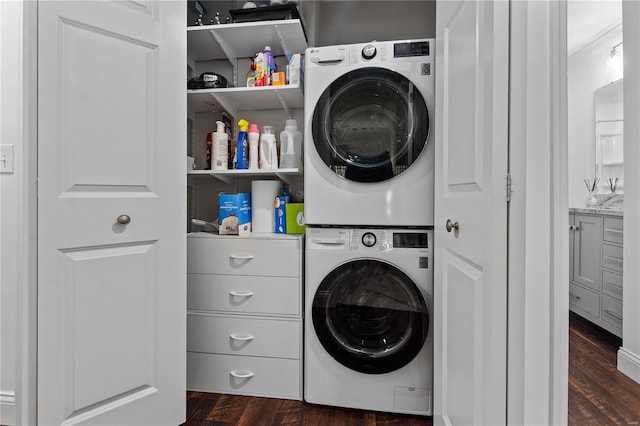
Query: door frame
(27, 325)
(538, 284)
(537, 384)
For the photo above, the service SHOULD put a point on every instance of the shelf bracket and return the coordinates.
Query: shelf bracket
(284, 177)
(225, 106)
(229, 180)
(285, 48)
(228, 52)
(284, 103)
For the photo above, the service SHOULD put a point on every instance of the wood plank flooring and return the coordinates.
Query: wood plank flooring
(598, 395)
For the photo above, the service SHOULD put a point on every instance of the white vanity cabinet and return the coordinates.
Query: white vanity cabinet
(244, 314)
(595, 252)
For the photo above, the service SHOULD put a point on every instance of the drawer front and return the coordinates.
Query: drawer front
(612, 257)
(584, 299)
(612, 230)
(612, 311)
(244, 375)
(244, 294)
(612, 285)
(243, 336)
(245, 256)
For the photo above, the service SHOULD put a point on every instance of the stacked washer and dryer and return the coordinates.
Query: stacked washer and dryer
(369, 170)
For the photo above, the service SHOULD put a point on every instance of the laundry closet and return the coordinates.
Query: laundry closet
(246, 303)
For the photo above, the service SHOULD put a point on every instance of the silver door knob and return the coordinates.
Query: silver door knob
(451, 225)
(124, 219)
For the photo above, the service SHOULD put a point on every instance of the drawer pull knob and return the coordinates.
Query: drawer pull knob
(241, 338)
(238, 294)
(241, 256)
(613, 314)
(245, 375)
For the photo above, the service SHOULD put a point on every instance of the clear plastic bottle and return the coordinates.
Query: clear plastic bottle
(251, 76)
(291, 146)
(268, 149)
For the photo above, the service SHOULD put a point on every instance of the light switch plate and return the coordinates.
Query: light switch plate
(6, 158)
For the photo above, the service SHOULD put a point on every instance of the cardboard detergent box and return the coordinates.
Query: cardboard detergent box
(234, 214)
(289, 216)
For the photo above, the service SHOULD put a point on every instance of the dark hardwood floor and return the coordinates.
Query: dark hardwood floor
(598, 395)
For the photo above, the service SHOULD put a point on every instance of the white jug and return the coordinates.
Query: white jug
(268, 149)
(291, 146)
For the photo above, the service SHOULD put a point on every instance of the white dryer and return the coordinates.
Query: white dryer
(369, 149)
(368, 341)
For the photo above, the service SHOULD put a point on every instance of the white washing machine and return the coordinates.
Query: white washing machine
(368, 341)
(369, 135)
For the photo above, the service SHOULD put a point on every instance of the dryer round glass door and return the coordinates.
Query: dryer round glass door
(370, 316)
(370, 125)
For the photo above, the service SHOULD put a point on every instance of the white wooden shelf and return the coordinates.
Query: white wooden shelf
(243, 40)
(230, 176)
(246, 98)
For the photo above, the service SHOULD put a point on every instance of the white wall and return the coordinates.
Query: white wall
(342, 22)
(587, 71)
(10, 133)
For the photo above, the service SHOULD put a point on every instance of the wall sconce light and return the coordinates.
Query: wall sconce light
(615, 64)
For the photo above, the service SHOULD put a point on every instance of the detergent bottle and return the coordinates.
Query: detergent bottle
(242, 153)
(268, 149)
(254, 135)
(291, 146)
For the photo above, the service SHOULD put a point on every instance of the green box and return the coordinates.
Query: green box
(295, 218)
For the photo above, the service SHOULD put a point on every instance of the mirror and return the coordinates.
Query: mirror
(609, 137)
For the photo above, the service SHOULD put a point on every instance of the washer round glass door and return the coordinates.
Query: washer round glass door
(370, 125)
(370, 316)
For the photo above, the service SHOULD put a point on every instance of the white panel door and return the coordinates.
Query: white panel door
(471, 167)
(111, 212)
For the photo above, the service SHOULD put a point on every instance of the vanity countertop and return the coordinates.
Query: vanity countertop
(605, 211)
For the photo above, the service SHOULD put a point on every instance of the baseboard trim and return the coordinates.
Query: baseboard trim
(629, 364)
(8, 409)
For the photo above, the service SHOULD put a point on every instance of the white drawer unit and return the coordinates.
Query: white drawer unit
(244, 375)
(595, 281)
(244, 314)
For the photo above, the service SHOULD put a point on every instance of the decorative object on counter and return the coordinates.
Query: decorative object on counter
(254, 137)
(591, 187)
(291, 146)
(242, 151)
(216, 20)
(268, 149)
(613, 183)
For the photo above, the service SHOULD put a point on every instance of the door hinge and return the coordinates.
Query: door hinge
(508, 187)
